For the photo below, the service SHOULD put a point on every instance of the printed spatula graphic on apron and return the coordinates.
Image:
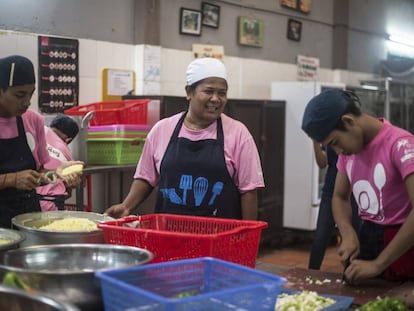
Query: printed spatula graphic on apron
(217, 188)
(186, 183)
(200, 189)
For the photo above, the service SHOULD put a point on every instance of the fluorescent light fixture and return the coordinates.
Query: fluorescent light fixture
(401, 40)
(400, 49)
(370, 87)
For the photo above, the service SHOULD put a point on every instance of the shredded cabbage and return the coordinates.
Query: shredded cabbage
(70, 224)
(302, 301)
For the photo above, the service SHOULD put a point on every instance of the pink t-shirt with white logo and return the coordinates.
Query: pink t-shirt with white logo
(240, 151)
(377, 175)
(35, 135)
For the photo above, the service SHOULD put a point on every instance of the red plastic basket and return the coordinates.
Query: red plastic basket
(173, 237)
(131, 111)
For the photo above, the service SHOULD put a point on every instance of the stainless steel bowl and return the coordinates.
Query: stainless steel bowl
(15, 237)
(30, 223)
(17, 299)
(66, 271)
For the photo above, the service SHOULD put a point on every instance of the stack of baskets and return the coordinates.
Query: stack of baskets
(117, 132)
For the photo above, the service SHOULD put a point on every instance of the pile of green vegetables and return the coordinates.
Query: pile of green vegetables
(384, 304)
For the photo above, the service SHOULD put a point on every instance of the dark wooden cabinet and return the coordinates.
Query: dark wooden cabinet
(266, 122)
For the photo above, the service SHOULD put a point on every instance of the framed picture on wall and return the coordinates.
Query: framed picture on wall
(303, 6)
(250, 31)
(190, 22)
(211, 14)
(294, 30)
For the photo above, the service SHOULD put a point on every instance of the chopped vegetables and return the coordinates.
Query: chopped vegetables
(70, 224)
(302, 301)
(186, 294)
(384, 304)
(5, 241)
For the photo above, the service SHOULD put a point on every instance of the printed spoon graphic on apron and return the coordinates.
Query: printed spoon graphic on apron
(217, 188)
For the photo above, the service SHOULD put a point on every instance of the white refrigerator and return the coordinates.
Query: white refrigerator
(303, 178)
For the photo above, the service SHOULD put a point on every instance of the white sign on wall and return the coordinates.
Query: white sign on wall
(307, 68)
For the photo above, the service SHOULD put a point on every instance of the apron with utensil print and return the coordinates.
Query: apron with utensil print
(194, 179)
(16, 156)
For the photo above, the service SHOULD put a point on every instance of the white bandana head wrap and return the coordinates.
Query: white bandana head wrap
(203, 68)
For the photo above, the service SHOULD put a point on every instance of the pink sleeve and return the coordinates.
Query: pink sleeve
(241, 151)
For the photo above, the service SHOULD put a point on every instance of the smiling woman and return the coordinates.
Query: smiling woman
(203, 162)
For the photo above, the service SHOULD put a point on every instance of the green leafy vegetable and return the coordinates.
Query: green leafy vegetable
(384, 304)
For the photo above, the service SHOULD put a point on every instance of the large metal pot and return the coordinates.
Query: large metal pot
(17, 299)
(29, 223)
(66, 271)
(15, 237)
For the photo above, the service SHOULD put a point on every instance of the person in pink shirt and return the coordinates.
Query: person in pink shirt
(62, 130)
(22, 142)
(376, 163)
(202, 162)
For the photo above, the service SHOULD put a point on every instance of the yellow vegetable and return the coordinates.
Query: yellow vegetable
(77, 168)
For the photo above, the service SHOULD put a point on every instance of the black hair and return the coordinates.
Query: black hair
(353, 107)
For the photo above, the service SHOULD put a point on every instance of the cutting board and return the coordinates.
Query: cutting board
(405, 292)
(316, 280)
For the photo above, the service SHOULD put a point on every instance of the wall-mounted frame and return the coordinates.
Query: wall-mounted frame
(250, 31)
(211, 14)
(190, 22)
(294, 30)
(303, 6)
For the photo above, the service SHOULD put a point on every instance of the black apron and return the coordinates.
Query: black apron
(16, 156)
(374, 238)
(194, 179)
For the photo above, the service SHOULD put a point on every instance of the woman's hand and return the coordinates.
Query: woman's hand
(24, 180)
(117, 211)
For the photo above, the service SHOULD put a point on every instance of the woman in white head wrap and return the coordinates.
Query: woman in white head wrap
(22, 141)
(203, 162)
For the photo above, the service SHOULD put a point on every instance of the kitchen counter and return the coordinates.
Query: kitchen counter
(102, 169)
(329, 283)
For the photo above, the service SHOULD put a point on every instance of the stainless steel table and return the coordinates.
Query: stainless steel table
(99, 169)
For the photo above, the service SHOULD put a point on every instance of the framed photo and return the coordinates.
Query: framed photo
(303, 6)
(190, 22)
(294, 30)
(211, 14)
(250, 31)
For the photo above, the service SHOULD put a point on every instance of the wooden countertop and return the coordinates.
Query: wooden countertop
(329, 283)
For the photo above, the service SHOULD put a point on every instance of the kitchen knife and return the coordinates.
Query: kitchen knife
(346, 265)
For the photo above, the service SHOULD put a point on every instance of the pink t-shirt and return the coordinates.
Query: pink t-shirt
(59, 153)
(240, 151)
(377, 175)
(35, 134)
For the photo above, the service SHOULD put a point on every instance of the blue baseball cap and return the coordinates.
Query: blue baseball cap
(66, 125)
(16, 70)
(323, 113)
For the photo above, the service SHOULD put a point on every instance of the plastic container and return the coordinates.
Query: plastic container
(209, 284)
(114, 151)
(118, 131)
(174, 237)
(131, 111)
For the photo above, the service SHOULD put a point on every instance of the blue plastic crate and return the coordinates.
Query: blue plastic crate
(214, 284)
